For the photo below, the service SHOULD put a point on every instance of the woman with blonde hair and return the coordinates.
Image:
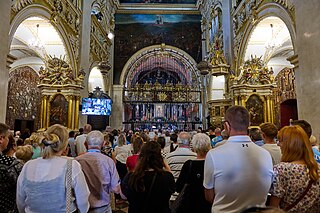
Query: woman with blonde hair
(24, 153)
(296, 186)
(43, 182)
(192, 173)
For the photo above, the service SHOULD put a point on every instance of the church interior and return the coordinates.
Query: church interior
(160, 64)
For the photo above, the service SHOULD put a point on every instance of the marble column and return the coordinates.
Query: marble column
(307, 73)
(85, 52)
(5, 9)
(116, 117)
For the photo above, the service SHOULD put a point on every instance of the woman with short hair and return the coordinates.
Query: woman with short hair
(149, 187)
(296, 186)
(192, 173)
(42, 182)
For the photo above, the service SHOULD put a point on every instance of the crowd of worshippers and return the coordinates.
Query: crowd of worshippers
(238, 169)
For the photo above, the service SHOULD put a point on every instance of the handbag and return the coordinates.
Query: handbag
(300, 198)
(183, 199)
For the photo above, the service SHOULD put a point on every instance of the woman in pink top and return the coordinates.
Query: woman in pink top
(132, 160)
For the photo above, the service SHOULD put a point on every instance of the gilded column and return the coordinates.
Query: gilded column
(70, 107)
(236, 100)
(47, 112)
(76, 112)
(272, 110)
(43, 114)
(268, 109)
(265, 110)
(243, 101)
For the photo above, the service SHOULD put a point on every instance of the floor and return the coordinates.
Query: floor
(121, 207)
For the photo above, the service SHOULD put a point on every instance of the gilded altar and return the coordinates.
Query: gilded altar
(60, 94)
(254, 89)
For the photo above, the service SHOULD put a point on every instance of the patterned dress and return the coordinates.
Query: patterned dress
(290, 182)
(10, 169)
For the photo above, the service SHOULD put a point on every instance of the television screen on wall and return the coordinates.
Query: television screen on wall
(95, 106)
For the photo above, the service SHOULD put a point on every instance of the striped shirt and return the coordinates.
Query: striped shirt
(177, 158)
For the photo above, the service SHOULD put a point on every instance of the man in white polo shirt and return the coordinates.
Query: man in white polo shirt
(239, 173)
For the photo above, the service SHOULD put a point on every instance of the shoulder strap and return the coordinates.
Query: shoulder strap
(300, 198)
(189, 172)
(149, 192)
(69, 185)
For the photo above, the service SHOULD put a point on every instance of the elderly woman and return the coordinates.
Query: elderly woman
(149, 187)
(42, 182)
(192, 173)
(296, 186)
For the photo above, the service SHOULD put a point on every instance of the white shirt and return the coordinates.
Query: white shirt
(274, 151)
(46, 170)
(240, 173)
(80, 144)
(122, 153)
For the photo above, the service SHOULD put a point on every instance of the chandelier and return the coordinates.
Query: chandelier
(36, 43)
(272, 45)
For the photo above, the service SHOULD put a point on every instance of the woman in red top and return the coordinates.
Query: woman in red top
(132, 160)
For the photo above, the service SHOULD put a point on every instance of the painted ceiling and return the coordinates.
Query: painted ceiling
(158, 1)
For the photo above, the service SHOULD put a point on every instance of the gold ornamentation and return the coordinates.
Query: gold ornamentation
(254, 72)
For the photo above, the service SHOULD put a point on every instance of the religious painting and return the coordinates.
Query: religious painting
(255, 106)
(137, 31)
(23, 97)
(59, 110)
(159, 1)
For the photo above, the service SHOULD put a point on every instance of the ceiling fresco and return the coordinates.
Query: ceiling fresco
(158, 1)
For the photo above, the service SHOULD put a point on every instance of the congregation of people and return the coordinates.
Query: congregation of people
(234, 169)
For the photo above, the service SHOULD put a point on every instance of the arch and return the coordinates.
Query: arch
(36, 10)
(267, 10)
(132, 63)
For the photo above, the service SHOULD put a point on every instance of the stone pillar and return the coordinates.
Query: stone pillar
(227, 30)
(116, 117)
(307, 73)
(85, 51)
(5, 10)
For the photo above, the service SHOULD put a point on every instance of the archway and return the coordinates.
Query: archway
(161, 89)
(95, 80)
(271, 40)
(34, 39)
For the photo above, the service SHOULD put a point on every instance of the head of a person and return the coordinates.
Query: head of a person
(184, 139)
(295, 145)
(217, 131)
(199, 130)
(87, 128)
(255, 134)
(71, 134)
(174, 137)
(224, 134)
(19, 142)
(54, 140)
(211, 130)
(162, 141)
(145, 137)
(81, 130)
(304, 125)
(150, 158)
(11, 147)
(201, 144)
(4, 136)
(137, 144)
(313, 140)
(95, 140)
(24, 153)
(122, 139)
(268, 131)
(236, 120)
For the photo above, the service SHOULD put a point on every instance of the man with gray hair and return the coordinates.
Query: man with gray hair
(100, 172)
(177, 158)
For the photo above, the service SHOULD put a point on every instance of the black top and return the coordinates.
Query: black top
(158, 202)
(10, 169)
(195, 179)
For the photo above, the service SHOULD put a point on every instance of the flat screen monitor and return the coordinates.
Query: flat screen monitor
(95, 106)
